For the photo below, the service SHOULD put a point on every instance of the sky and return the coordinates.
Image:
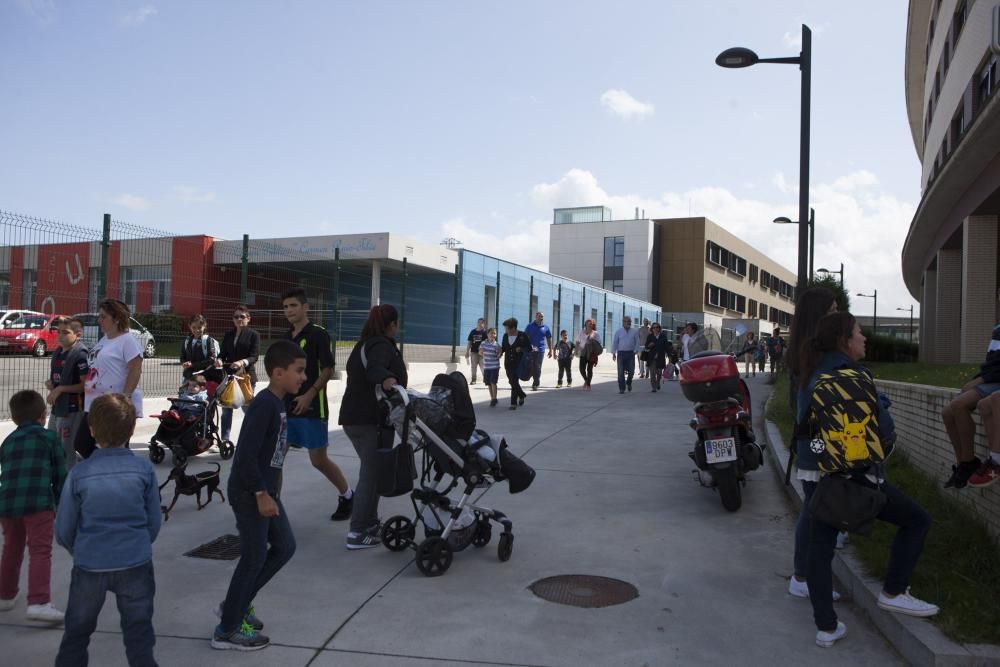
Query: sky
(461, 119)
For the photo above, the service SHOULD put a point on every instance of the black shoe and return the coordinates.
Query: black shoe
(628, 386)
(344, 506)
(493, 403)
(961, 473)
(512, 407)
(472, 383)
(534, 387)
(520, 400)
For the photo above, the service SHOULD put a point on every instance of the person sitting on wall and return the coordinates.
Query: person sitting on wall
(957, 415)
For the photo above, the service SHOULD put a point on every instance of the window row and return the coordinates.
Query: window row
(716, 254)
(958, 20)
(723, 298)
(614, 251)
(775, 284)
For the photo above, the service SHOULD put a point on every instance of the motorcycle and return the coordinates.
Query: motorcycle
(726, 448)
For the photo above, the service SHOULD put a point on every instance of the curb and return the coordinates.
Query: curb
(917, 640)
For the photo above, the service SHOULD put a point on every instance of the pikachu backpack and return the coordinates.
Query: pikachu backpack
(843, 421)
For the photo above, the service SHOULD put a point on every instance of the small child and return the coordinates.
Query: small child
(565, 352)
(108, 519)
(195, 389)
(266, 540)
(489, 350)
(69, 369)
(32, 473)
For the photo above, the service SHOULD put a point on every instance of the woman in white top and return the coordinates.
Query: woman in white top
(585, 350)
(115, 367)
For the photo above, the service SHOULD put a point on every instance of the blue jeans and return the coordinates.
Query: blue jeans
(539, 358)
(227, 422)
(802, 528)
(913, 521)
(134, 589)
(266, 544)
(626, 369)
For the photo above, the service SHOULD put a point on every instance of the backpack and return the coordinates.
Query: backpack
(844, 421)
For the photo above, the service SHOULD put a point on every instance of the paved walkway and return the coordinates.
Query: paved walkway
(614, 496)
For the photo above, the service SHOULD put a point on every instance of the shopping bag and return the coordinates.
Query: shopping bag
(246, 387)
(230, 395)
(395, 468)
(526, 366)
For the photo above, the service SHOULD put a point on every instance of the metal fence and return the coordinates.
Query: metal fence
(51, 268)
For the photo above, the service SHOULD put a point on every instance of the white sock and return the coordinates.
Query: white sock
(347, 495)
(996, 457)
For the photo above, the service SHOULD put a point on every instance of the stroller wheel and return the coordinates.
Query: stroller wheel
(505, 546)
(483, 534)
(434, 556)
(180, 458)
(398, 533)
(156, 453)
(226, 450)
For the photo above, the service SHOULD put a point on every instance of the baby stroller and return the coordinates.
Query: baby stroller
(441, 428)
(189, 428)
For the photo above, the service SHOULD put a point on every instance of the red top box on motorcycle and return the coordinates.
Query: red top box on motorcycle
(710, 376)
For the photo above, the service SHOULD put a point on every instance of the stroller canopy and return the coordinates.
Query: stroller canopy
(463, 415)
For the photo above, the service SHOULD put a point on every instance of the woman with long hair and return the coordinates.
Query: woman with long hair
(240, 349)
(115, 367)
(584, 349)
(839, 344)
(657, 346)
(374, 362)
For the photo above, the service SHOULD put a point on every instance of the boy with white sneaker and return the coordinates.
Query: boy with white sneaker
(32, 472)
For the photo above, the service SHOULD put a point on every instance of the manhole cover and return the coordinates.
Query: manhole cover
(584, 590)
(226, 547)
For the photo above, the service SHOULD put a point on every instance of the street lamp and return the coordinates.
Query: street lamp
(828, 271)
(742, 57)
(812, 233)
(874, 297)
(911, 319)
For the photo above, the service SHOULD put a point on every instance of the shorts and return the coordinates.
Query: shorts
(987, 388)
(491, 375)
(308, 432)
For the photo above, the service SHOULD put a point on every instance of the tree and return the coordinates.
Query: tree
(832, 284)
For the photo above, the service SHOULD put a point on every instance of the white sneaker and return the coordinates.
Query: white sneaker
(44, 612)
(843, 539)
(7, 605)
(800, 589)
(904, 603)
(828, 639)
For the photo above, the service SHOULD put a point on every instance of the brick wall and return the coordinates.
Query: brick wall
(916, 410)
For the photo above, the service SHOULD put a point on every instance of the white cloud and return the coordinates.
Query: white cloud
(522, 242)
(137, 16)
(43, 11)
(191, 195)
(132, 202)
(622, 104)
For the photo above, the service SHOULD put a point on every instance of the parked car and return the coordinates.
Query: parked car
(8, 317)
(34, 333)
(92, 332)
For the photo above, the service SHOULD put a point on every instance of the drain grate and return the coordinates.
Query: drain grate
(584, 590)
(226, 547)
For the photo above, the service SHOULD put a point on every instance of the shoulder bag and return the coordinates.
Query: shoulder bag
(846, 503)
(395, 468)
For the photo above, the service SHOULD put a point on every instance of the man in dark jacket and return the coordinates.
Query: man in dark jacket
(512, 349)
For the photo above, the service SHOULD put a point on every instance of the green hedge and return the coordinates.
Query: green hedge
(165, 326)
(888, 348)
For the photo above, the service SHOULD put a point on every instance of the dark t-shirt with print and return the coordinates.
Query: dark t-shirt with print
(476, 336)
(69, 368)
(315, 342)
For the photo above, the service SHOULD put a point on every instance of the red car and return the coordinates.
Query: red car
(30, 333)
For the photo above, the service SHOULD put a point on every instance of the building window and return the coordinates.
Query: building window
(958, 22)
(29, 286)
(615, 286)
(987, 82)
(763, 311)
(754, 273)
(614, 251)
(765, 279)
(741, 266)
(157, 278)
(713, 253)
(741, 303)
(4, 292)
(752, 312)
(93, 288)
(713, 295)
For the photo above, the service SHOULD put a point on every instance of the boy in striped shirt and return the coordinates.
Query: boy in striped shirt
(489, 351)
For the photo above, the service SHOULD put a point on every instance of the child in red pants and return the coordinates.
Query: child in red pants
(32, 472)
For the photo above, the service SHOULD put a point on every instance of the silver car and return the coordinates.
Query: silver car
(92, 332)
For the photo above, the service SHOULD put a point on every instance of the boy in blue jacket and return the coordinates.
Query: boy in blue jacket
(266, 540)
(108, 518)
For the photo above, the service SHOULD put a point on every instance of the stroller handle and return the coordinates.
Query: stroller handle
(381, 395)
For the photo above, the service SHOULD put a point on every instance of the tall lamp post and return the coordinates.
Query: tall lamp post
(742, 57)
(812, 234)
(911, 319)
(828, 271)
(874, 297)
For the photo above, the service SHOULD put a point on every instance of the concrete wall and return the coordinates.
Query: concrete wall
(916, 410)
(576, 251)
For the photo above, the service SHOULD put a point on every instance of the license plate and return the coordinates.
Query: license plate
(720, 450)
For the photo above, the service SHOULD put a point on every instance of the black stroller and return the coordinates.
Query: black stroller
(189, 428)
(441, 428)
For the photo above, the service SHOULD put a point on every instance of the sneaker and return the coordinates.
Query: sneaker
(904, 603)
(250, 618)
(520, 400)
(7, 605)
(621, 391)
(44, 612)
(512, 407)
(628, 385)
(800, 589)
(987, 473)
(534, 387)
(842, 540)
(364, 540)
(961, 473)
(344, 506)
(828, 639)
(472, 383)
(559, 385)
(243, 639)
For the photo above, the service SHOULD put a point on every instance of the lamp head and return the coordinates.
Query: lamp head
(736, 57)
(783, 220)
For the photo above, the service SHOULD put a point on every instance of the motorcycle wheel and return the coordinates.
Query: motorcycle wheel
(729, 488)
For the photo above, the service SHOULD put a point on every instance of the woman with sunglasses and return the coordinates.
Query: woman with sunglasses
(240, 348)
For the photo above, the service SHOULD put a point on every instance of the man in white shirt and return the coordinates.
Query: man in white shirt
(689, 331)
(624, 346)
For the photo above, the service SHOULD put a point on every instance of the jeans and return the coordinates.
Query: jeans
(802, 528)
(266, 544)
(134, 589)
(35, 531)
(476, 362)
(913, 522)
(227, 422)
(66, 428)
(539, 358)
(84, 442)
(364, 437)
(566, 366)
(515, 385)
(626, 369)
(655, 374)
(586, 371)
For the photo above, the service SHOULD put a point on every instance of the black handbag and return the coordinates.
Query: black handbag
(395, 468)
(846, 503)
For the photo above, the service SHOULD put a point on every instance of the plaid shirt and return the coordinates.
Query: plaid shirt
(32, 471)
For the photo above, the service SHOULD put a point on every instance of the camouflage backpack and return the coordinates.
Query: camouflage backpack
(843, 421)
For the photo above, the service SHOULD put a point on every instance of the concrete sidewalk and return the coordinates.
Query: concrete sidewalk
(614, 496)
